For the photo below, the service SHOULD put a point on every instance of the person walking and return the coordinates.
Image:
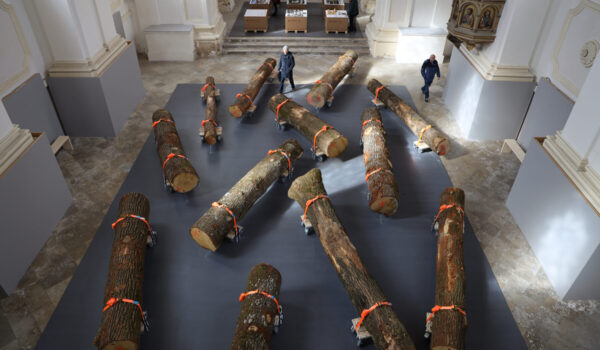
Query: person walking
(352, 13)
(429, 69)
(275, 3)
(285, 68)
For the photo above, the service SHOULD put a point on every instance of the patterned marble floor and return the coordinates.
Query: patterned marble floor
(96, 168)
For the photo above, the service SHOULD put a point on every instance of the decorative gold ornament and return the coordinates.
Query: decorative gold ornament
(474, 21)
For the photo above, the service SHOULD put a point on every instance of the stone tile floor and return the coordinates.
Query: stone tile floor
(96, 168)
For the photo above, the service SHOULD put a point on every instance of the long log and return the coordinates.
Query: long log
(178, 171)
(331, 142)
(382, 323)
(383, 189)
(256, 321)
(430, 135)
(323, 88)
(449, 325)
(246, 98)
(120, 325)
(210, 123)
(210, 230)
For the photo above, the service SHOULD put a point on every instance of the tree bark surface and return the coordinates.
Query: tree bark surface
(246, 98)
(210, 230)
(178, 171)
(431, 136)
(331, 142)
(210, 125)
(383, 189)
(449, 326)
(382, 323)
(121, 323)
(257, 316)
(321, 91)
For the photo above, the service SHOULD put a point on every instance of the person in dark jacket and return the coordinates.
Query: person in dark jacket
(429, 69)
(352, 13)
(285, 68)
(275, 3)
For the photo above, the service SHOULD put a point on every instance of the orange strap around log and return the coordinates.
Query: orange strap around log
(371, 120)
(324, 128)
(171, 156)
(114, 224)
(423, 133)
(324, 82)
(310, 202)
(113, 301)
(366, 312)
(268, 64)
(374, 172)
(344, 56)
(162, 120)
(279, 107)
(377, 93)
(440, 308)
(207, 85)
(223, 206)
(248, 97)
(285, 155)
(256, 291)
(448, 206)
(209, 120)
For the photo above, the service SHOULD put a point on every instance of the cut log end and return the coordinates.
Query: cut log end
(386, 206)
(203, 239)
(210, 139)
(315, 100)
(443, 148)
(337, 146)
(185, 182)
(121, 345)
(235, 111)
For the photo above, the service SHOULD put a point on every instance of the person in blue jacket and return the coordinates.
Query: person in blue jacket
(285, 68)
(429, 69)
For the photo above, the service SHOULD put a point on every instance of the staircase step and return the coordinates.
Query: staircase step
(294, 45)
(307, 50)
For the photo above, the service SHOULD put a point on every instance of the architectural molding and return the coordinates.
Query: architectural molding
(556, 74)
(493, 71)
(12, 146)
(95, 66)
(24, 72)
(583, 177)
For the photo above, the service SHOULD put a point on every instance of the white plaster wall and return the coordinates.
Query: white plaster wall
(431, 13)
(60, 30)
(170, 11)
(86, 19)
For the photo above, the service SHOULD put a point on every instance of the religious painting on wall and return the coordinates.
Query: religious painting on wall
(474, 22)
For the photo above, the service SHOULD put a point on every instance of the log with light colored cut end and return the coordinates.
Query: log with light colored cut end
(382, 323)
(331, 142)
(383, 189)
(177, 169)
(323, 88)
(430, 135)
(245, 99)
(210, 123)
(448, 328)
(210, 230)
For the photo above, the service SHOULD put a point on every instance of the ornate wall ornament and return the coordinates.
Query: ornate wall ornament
(474, 21)
(588, 53)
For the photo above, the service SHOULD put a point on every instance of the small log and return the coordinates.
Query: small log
(245, 99)
(382, 323)
(210, 230)
(431, 136)
(121, 323)
(210, 123)
(178, 171)
(256, 321)
(383, 189)
(331, 142)
(323, 89)
(449, 326)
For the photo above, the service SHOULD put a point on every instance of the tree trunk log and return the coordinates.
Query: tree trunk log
(245, 99)
(383, 189)
(331, 142)
(432, 137)
(121, 323)
(449, 326)
(321, 91)
(210, 230)
(210, 127)
(257, 317)
(178, 171)
(382, 323)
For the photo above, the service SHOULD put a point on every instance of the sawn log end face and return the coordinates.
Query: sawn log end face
(337, 146)
(293, 148)
(203, 239)
(235, 111)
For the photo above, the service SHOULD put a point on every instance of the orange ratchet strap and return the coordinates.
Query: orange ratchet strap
(440, 308)
(162, 120)
(235, 226)
(113, 301)
(377, 93)
(371, 120)
(324, 82)
(366, 312)
(131, 216)
(209, 120)
(311, 201)
(423, 133)
(324, 128)
(374, 172)
(256, 291)
(248, 97)
(171, 156)
(285, 155)
(448, 206)
(207, 85)
(279, 107)
(268, 64)
(344, 56)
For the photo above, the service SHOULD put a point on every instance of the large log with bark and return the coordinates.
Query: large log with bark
(245, 99)
(426, 133)
(449, 320)
(256, 322)
(323, 88)
(328, 141)
(224, 215)
(209, 125)
(383, 189)
(382, 323)
(121, 321)
(179, 173)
